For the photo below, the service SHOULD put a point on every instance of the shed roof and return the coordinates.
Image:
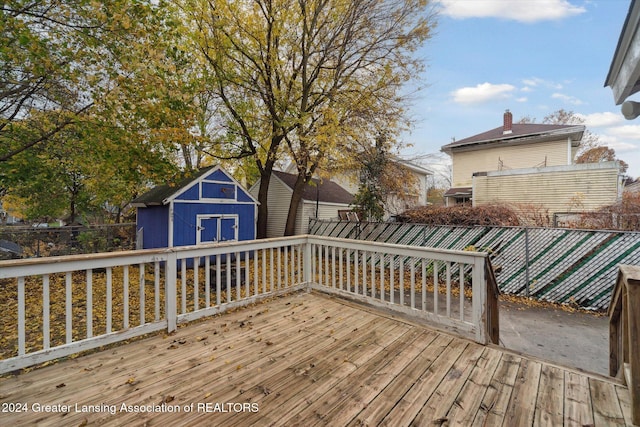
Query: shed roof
(158, 194)
(458, 191)
(520, 132)
(165, 193)
(324, 191)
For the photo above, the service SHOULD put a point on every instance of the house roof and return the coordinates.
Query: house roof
(624, 72)
(158, 194)
(520, 133)
(324, 191)
(458, 191)
(419, 169)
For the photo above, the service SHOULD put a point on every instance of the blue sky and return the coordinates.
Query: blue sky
(532, 57)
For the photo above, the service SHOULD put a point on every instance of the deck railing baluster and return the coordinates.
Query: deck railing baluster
(109, 314)
(345, 267)
(196, 285)
(141, 286)
(89, 300)
(46, 306)
(156, 288)
(21, 317)
(461, 287)
(125, 302)
(68, 303)
(207, 281)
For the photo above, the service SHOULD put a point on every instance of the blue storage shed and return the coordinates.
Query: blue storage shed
(210, 206)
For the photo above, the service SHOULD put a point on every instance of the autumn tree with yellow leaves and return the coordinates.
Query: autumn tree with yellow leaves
(306, 80)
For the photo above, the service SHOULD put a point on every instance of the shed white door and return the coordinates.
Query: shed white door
(216, 228)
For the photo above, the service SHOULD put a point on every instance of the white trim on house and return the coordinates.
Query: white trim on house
(199, 227)
(170, 231)
(217, 201)
(202, 178)
(562, 168)
(513, 140)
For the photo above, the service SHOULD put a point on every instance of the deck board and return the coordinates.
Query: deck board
(308, 359)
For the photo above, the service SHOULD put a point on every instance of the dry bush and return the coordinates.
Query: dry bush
(533, 215)
(624, 215)
(497, 215)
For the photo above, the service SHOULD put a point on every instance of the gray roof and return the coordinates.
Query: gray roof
(520, 132)
(157, 195)
(324, 191)
(624, 72)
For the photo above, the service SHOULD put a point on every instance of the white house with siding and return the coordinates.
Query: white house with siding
(321, 199)
(530, 164)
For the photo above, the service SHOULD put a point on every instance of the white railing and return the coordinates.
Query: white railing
(59, 306)
(624, 334)
(444, 287)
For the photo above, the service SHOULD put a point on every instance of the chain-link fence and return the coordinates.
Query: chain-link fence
(576, 267)
(27, 242)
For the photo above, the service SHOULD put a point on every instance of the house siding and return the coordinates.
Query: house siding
(154, 222)
(483, 159)
(558, 189)
(279, 199)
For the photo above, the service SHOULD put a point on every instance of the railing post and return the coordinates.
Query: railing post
(479, 301)
(306, 263)
(493, 309)
(170, 290)
(633, 337)
(624, 334)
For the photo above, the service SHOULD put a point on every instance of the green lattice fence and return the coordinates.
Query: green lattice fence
(553, 264)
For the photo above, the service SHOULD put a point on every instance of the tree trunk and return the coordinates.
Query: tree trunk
(296, 198)
(263, 192)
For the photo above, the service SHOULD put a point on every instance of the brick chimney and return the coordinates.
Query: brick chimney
(508, 123)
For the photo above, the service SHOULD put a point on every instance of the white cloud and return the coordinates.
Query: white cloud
(522, 99)
(537, 82)
(618, 145)
(482, 93)
(522, 11)
(566, 98)
(626, 131)
(602, 119)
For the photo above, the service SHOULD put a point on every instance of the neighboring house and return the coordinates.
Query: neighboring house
(634, 187)
(415, 195)
(624, 72)
(7, 218)
(530, 164)
(573, 188)
(322, 199)
(208, 207)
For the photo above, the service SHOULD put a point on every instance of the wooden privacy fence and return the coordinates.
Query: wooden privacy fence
(577, 267)
(55, 307)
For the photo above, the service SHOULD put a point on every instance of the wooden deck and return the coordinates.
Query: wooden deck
(308, 359)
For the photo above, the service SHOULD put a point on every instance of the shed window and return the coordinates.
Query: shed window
(218, 190)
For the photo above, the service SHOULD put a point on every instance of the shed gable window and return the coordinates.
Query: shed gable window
(218, 190)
